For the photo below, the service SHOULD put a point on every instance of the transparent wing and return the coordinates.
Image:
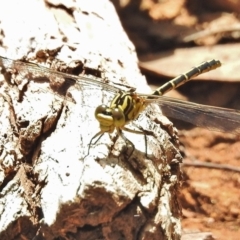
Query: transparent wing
(59, 82)
(213, 118)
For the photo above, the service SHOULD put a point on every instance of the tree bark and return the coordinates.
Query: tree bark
(50, 187)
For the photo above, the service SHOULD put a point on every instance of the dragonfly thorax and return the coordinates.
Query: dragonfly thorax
(130, 103)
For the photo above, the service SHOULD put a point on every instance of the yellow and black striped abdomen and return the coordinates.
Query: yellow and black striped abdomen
(183, 78)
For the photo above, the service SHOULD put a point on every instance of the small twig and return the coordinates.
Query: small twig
(208, 32)
(197, 163)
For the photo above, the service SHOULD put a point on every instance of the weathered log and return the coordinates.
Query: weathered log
(50, 187)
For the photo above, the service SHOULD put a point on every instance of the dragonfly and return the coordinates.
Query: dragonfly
(127, 105)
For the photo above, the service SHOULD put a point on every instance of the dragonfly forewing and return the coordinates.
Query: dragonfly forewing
(59, 83)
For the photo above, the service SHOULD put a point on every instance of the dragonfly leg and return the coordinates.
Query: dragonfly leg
(120, 133)
(99, 135)
(127, 141)
(142, 132)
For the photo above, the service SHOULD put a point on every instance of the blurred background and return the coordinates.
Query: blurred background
(171, 37)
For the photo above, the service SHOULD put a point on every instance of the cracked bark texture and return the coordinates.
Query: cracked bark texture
(50, 188)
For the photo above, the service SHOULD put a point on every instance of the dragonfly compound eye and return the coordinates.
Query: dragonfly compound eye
(118, 117)
(102, 109)
(105, 117)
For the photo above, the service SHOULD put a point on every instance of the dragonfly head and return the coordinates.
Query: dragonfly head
(109, 118)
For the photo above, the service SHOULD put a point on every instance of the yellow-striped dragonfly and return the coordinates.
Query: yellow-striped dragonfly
(126, 106)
